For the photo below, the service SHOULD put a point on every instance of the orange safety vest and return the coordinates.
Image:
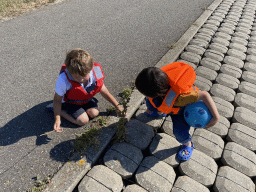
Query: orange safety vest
(182, 77)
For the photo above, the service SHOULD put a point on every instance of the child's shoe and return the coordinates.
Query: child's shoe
(185, 152)
(50, 107)
(155, 114)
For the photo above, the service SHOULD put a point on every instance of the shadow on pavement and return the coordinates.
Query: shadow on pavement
(37, 121)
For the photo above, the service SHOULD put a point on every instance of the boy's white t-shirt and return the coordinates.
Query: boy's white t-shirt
(63, 85)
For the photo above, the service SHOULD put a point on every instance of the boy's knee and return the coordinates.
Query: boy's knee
(93, 112)
(82, 120)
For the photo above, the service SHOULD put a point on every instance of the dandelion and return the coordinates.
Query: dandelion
(81, 162)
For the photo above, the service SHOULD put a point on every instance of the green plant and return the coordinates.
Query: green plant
(120, 134)
(102, 121)
(40, 184)
(88, 138)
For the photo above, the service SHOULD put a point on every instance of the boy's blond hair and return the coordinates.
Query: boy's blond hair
(79, 62)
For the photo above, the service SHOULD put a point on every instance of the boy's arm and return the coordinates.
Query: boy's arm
(207, 99)
(109, 97)
(57, 102)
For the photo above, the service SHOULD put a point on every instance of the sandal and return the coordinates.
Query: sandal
(185, 152)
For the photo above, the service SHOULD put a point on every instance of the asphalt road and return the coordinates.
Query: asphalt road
(124, 36)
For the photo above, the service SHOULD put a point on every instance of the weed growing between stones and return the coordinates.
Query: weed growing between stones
(120, 134)
(40, 184)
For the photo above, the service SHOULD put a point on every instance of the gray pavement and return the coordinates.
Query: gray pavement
(224, 157)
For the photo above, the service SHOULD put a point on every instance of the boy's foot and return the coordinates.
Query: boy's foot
(50, 107)
(155, 114)
(185, 152)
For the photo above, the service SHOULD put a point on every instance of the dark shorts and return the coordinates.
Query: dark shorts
(76, 110)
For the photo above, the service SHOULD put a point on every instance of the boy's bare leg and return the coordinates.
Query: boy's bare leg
(81, 120)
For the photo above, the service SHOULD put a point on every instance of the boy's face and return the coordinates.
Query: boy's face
(81, 79)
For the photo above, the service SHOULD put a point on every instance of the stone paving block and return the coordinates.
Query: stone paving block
(231, 70)
(155, 122)
(243, 29)
(230, 180)
(213, 54)
(165, 148)
(203, 36)
(237, 54)
(168, 127)
(191, 57)
(225, 108)
(206, 31)
(199, 42)
(206, 73)
(248, 22)
(238, 47)
(226, 30)
(230, 21)
(252, 39)
(155, 175)
(210, 26)
(239, 40)
(251, 58)
(247, 88)
(223, 92)
(245, 117)
(218, 47)
(200, 167)
(101, 178)
(223, 35)
(242, 135)
(203, 84)
(240, 158)
(253, 33)
(213, 22)
(241, 35)
(208, 143)
(134, 188)
(139, 134)
(251, 51)
(228, 25)
(244, 100)
(210, 63)
(221, 41)
(195, 49)
(214, 17)
(232, 17)
(250, 67)
(230, 60)
(252, 45)
(185, 183)
(227, 80)
(221, 127)
(249, 77)
(246, 25)
(123, 158)
(221, 15)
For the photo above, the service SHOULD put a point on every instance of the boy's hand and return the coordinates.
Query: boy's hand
(56, 126)
(120, 109)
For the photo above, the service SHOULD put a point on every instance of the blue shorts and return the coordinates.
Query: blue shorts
(76, 110)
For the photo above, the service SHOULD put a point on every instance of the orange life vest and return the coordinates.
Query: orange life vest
(182, 77)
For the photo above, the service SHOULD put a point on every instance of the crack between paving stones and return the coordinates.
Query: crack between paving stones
(100, 183)
(179, 188)
(234, 182)
(203, 166)
(241, 155)
(210, 141)
(158, 174)
(125, 156)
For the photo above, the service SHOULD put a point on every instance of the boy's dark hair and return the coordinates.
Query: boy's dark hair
(79, 62)
(152, 82)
